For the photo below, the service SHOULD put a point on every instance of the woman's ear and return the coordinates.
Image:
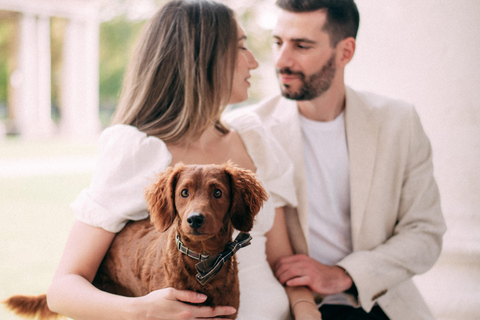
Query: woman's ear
(247, 197)
(160, 198)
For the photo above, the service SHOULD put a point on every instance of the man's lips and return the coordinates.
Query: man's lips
(288, 79)
(287, 76)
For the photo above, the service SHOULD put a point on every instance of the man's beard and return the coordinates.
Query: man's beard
(313, 86)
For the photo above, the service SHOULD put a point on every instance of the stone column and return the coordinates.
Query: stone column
(32, 79)
(45, 126)
(79, 100)
(25, 77)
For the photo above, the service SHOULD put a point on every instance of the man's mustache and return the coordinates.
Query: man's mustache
(288, 71)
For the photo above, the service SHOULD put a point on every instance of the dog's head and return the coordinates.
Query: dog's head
(206, 200)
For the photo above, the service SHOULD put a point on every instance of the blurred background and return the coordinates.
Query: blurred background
(61, 69)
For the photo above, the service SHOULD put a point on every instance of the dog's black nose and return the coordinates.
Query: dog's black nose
(195, 220)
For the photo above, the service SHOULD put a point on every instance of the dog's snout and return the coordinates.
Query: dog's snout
(195, 220)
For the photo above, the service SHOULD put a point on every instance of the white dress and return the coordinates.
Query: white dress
(128, 162)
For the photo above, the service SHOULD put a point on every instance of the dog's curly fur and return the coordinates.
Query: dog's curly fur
(144, 257)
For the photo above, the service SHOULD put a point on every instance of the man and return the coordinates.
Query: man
(369, 211)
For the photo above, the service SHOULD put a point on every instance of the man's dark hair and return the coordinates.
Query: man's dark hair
(342, 16)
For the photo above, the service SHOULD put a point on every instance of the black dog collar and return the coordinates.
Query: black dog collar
(208, 267)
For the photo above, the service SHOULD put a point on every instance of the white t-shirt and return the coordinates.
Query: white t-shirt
(128, 162)
(326, 159)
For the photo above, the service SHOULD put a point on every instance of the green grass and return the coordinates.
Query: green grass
(14, 147)
(35, 217)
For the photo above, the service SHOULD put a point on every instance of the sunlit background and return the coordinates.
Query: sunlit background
(61, 68)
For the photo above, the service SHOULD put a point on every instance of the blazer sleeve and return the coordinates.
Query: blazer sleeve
(415, 241)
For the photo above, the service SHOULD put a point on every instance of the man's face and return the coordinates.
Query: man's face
(305, 62)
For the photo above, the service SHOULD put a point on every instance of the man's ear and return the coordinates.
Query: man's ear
(345, 51)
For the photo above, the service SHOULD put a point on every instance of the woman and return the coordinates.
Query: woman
(191, 61)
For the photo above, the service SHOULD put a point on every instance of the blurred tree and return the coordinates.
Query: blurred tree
(257, 18)
(57, 34)
(122, 21)
(7, 32)
(126, 17)
(117, 39)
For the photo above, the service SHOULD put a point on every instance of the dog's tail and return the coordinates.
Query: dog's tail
(31, 307)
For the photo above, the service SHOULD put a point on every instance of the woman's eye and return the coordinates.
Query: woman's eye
(184, 193)
(217, 193)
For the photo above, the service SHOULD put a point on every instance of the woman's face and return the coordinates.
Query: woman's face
(245, 62)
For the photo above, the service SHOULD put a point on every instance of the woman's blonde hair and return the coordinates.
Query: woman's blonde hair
(180, 77)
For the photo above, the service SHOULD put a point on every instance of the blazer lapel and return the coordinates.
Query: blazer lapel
(361, 134)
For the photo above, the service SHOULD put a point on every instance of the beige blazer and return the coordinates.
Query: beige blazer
(397, 224)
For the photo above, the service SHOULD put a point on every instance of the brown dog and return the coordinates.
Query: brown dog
(187, 242)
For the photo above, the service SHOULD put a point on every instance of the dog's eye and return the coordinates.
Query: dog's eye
(217, 193)
(184, 193)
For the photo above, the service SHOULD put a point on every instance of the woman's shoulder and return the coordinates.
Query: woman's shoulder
(243, 120)
(128, 142)
(250, 129)
(127, 134)
(273, 165)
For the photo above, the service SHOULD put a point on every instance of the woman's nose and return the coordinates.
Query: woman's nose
(252, 62)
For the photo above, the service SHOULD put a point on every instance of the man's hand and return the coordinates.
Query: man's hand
(301, 270)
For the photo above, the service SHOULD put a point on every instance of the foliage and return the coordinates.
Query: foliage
(117, 38)
(6, 32)
(57, 34)
(118, 34)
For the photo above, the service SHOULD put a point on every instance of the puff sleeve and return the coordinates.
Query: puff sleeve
(128, 161)
(274, 167)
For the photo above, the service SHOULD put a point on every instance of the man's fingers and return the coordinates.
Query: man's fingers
(289, 271)
(291, 267)
(299, 282)
(292, 259)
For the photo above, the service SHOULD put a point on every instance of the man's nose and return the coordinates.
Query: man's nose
(283, 58)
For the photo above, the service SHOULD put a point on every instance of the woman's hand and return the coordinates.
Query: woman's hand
(302, 303)
(72, 293)
(176, 304)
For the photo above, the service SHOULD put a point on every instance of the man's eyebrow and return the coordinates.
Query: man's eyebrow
(297, 40)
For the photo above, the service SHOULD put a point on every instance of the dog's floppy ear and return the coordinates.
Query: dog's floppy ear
(160, 198)
(248, 196)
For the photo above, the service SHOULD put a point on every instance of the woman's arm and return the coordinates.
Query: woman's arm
(278, 245)
(72, 294)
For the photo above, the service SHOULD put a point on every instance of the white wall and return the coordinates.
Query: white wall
(428, 53)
